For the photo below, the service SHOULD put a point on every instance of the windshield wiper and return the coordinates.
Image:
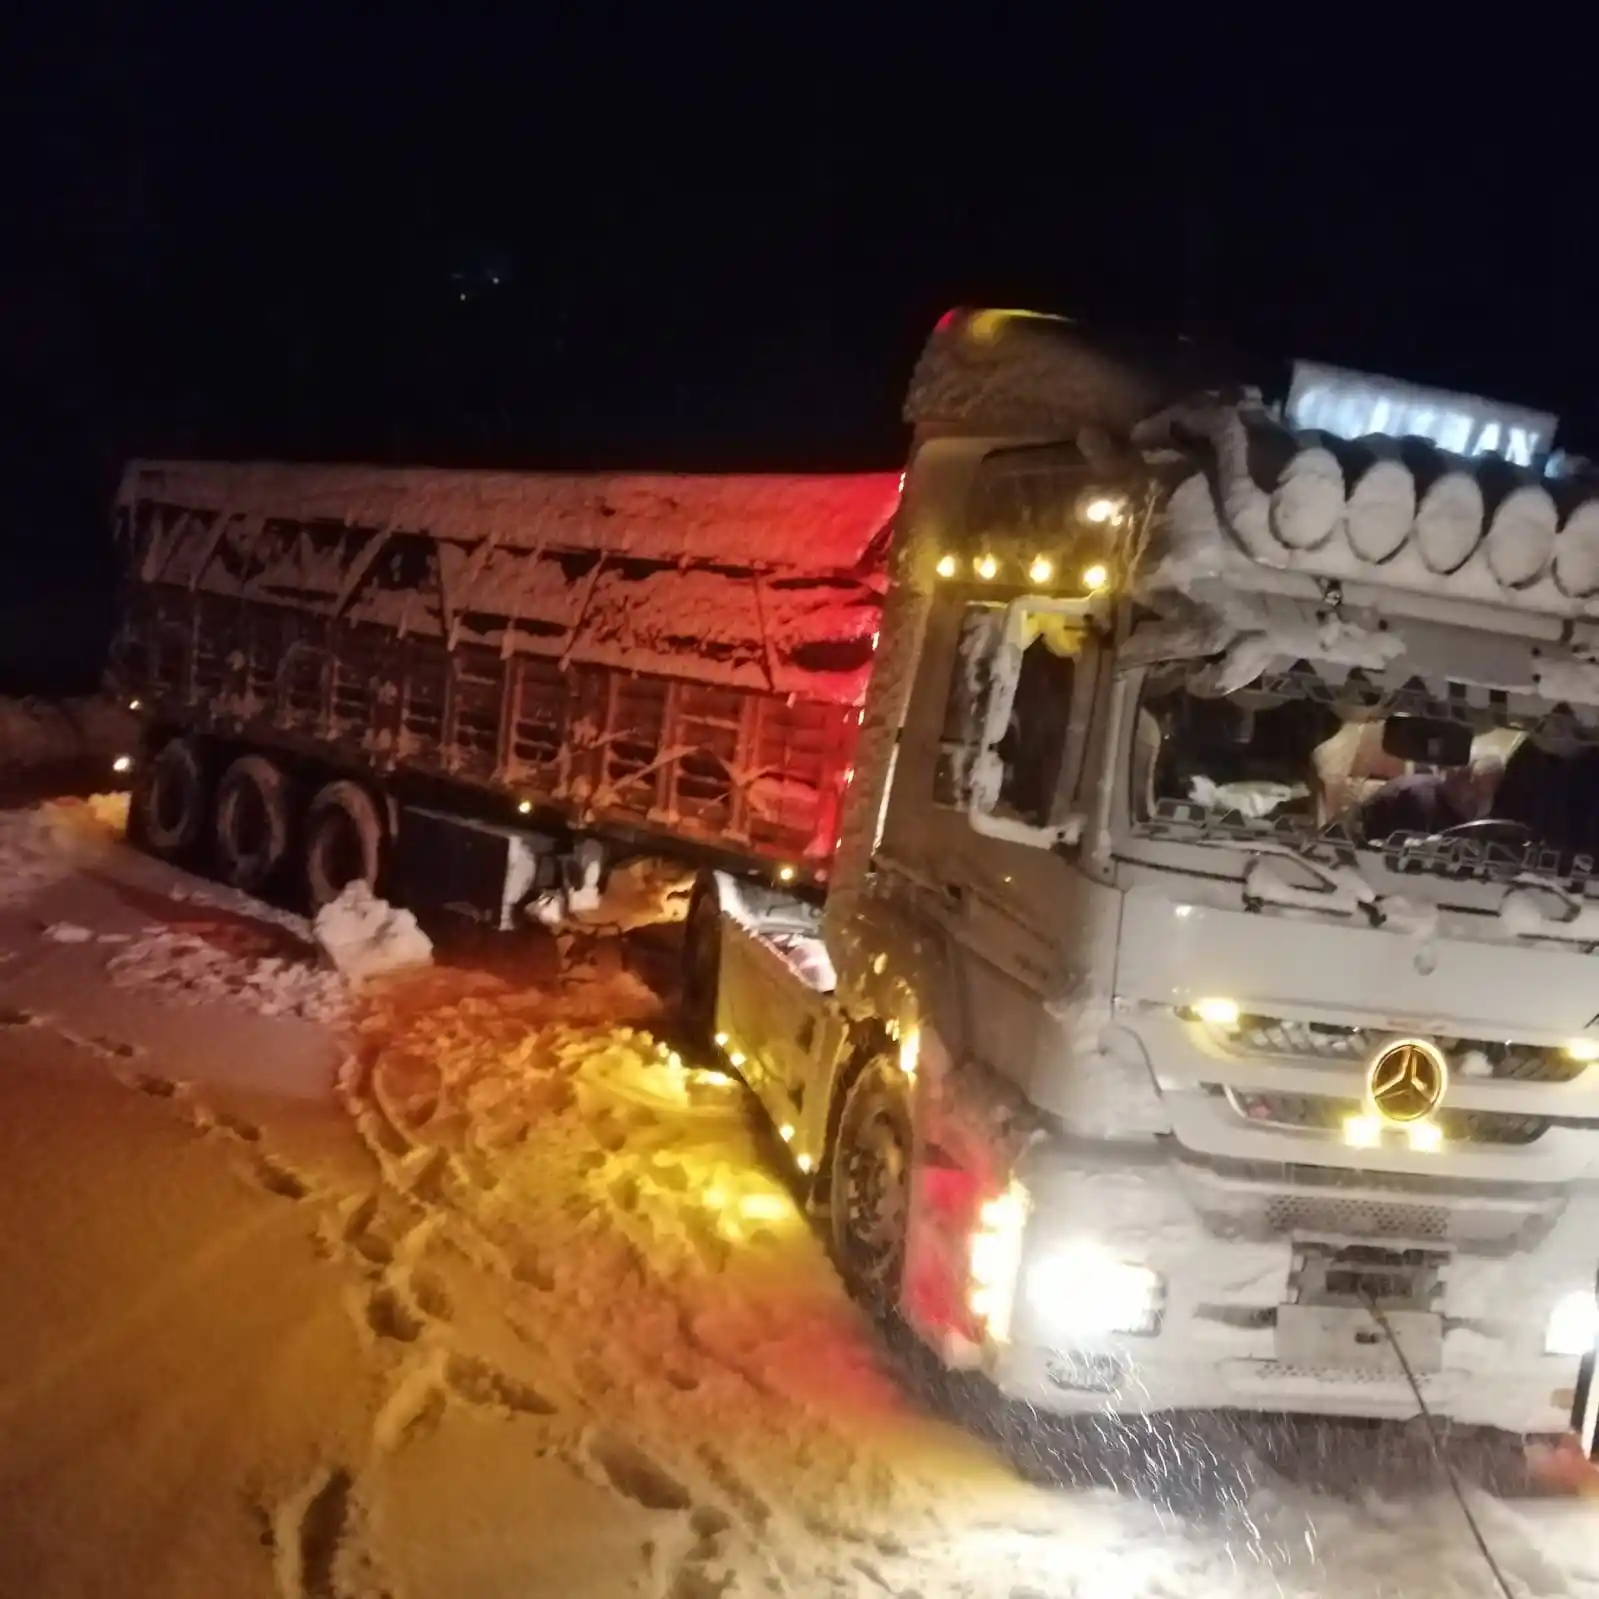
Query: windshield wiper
(1340, 891)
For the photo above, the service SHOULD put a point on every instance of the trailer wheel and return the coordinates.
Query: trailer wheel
(344, 838)
(252, 822)
(870, 1191)
(702, 963)
(169, 800)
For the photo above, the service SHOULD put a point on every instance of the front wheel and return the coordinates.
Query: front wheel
(870, 1193)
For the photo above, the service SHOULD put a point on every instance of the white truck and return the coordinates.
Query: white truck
(1133, 1062)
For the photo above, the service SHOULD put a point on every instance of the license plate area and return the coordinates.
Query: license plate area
(1329, 1323)
(1333, 1338)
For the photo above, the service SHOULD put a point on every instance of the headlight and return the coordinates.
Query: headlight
(1084, 1291)
(1573, 1324)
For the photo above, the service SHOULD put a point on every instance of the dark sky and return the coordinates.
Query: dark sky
(718, 248)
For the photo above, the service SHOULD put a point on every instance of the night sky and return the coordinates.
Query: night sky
(246, 229)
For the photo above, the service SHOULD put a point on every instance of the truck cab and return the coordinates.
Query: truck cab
(1203, 1009)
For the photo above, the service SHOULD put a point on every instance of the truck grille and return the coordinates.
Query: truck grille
(1259, 1035)
(1329, 1115)
(1262, 1037)
(1355, 1216)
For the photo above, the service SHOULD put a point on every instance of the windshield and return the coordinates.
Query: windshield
(1444, 773)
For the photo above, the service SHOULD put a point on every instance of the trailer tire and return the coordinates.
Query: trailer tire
(869, 1188)
(251, 826)
(170, 800)
(702, 963)
(344, 842)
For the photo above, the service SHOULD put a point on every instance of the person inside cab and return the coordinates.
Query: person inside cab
(1435, 801)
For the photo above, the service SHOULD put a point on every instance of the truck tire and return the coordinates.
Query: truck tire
(702, 964)
(344, 842)
(251, 827)
(870, 1187)
(170, 795)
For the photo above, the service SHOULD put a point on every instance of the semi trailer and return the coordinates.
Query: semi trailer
(452, 682)
(1147, 850)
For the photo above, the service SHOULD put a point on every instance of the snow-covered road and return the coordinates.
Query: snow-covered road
(464, 1288)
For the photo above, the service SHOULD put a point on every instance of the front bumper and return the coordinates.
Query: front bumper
(1224, 1242)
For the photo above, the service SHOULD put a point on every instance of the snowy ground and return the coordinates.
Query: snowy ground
(459, 1288)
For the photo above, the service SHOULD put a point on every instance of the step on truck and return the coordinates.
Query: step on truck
(1167, 953)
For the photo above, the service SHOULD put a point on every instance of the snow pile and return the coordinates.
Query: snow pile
(33, 855)
(188, 968)
(1382, 507)
(1537, 909)
(646, 891)
(366, 937)
(1283, 879)
(1399, 513)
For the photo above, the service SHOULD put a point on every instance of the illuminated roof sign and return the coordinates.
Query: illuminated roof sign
(1353, 404)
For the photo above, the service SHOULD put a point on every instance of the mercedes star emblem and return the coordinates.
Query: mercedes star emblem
(1406, 1081)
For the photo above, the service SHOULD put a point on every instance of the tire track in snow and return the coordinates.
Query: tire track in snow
(611, 1165)
(681, 1335)
(320, 1549)
(446, 1185)
(404, 1309)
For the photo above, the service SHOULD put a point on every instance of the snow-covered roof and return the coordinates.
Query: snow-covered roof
(804, 522)
(769, 583)
(1247, 495)
(1022, 374)
(1399, 514)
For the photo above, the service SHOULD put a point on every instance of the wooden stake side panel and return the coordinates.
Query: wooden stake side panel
(746, 771)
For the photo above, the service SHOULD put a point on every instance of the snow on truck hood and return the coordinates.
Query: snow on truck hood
(1344, 948)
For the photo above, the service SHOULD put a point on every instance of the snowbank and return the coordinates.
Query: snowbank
(1398, 513)
(189, 968)
(367, 937)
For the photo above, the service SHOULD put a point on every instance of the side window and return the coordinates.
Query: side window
(1008, 717)
(1033, 748)
(965, 705)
